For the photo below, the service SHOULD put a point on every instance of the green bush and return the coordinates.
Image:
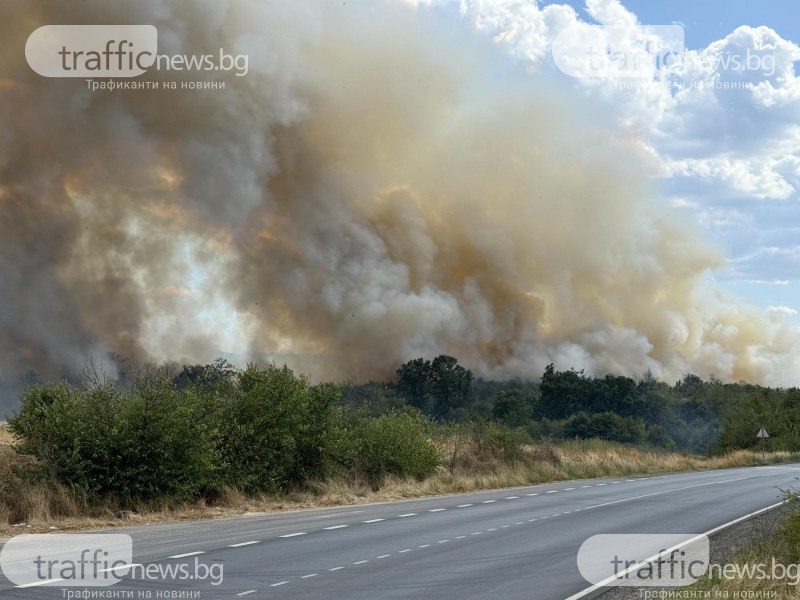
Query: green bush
(273, 429)
(496, 441)
(395, 443)
(144, 443)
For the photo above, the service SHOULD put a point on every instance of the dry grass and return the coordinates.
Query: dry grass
(36, 507)
(6, 439)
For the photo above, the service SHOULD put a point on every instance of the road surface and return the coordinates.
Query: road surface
(517, 543)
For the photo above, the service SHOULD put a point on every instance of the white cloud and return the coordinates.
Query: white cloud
(786, 311)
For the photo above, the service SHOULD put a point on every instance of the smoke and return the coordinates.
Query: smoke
(381, 185)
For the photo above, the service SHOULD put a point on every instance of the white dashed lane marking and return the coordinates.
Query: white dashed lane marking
(187, 554)
(373, 521)
(288, 535)
(335, 527)
(244, 544)
(247, 593)
(403, 516)
(119, 568)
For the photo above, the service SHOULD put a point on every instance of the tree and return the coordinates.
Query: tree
(512, 408)
(449, 384)
(220, 372)
(563, 393)
(439, 387)
(412, 381)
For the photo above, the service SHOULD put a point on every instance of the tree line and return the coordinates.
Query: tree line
(197, 430)
(691, 414)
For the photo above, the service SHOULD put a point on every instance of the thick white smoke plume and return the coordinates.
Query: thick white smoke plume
(382, 184)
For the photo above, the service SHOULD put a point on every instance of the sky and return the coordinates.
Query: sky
(729, 158)
(706, 21)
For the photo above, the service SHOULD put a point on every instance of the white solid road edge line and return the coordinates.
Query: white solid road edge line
(38, 583)
(613, 578)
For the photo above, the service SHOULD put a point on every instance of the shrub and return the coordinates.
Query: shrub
(495, 441)
(273, 428)
(395, 443)
(143, 443)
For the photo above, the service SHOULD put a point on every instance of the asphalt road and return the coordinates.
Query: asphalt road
(517, 543)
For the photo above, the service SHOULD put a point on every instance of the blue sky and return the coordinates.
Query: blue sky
(705, 21)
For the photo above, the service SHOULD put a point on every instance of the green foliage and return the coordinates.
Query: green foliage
(220, 373)
(512, 407)
(790, 532)
(261, 429)
(272, 429)
(440, 387)
(377, 398)
(498, 441)
(395, 443)
(181, 434)
(147, 442)
(605, 426)
(777, 410)
(565, 393)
